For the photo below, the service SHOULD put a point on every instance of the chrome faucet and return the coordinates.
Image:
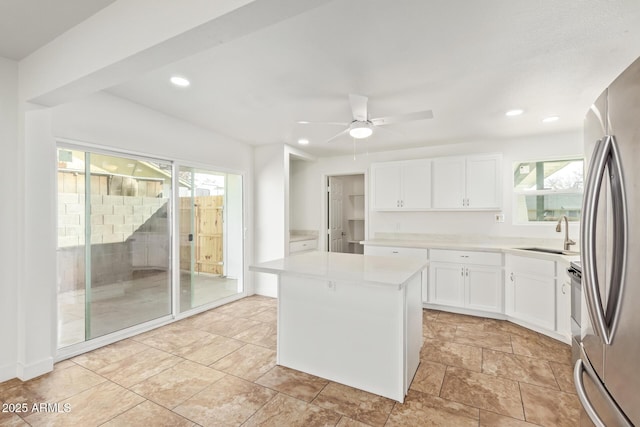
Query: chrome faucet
(567, 241)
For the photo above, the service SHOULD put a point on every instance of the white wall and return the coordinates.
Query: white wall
(476, 223)
(269, 212)
(9, 192)
(109, 122)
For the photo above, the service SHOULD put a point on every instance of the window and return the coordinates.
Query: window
(547, 190)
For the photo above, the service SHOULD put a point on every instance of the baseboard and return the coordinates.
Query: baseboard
(27, 372)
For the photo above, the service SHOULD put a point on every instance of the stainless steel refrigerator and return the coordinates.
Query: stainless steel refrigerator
(607, 373)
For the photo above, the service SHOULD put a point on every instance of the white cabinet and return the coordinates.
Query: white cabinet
(466, 279)
(483, 288)
(403, 252)
(447, 284)
(303, 245)
(404, 185)
(530, 291)
(471, 182)
(563, 301)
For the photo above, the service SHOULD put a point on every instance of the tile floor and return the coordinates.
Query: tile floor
(127, 303)
(218, 369)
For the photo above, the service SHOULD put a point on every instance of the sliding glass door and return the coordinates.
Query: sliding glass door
(114, 243)
(210, 218)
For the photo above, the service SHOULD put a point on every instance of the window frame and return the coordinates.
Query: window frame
(517, 193)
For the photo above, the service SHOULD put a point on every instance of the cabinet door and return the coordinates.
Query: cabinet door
(483, 288)
(446, 284)
(534, 300)
(416, 184)
(448, 183)
(385, 185)
(483, 182)
(563, 309)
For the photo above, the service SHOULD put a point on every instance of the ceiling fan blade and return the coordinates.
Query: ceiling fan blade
(359, 107)
(304, 122)
(334, 137)
(409, 117)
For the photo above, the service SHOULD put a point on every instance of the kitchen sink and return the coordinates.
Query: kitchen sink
(550, 251)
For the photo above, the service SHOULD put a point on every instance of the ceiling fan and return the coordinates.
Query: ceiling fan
(362, 126)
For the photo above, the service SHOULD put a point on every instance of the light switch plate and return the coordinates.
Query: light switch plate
(499, 217)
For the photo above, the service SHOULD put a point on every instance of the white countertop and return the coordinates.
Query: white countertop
(345, 267)
(301, 237)
(514, 248)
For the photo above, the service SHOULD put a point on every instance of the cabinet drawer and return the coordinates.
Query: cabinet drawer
(534, 266)
(466, 257)
(303, 245)
(395, 251)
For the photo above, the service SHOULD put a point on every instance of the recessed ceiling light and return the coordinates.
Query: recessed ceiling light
(515, 112)
(303, 141)
(180, 81)
(550, 119)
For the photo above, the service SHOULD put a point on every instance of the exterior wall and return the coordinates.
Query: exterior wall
(113, 219)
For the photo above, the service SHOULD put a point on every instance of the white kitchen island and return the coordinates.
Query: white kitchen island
(352, 319)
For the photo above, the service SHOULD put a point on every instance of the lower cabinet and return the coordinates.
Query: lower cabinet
(303, 245)
(466, 279)
(563, 301)
(530, 290)
(403, 252)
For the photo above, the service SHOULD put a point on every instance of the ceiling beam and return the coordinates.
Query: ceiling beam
(131, 37)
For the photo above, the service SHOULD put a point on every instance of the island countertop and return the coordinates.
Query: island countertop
(345, 267)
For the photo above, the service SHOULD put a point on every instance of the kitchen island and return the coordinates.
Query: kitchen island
(352, 319)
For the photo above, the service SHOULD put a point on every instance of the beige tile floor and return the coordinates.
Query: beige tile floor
(218, 369)
(136, 301)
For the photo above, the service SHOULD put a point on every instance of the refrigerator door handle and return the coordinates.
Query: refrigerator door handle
(606, 154)
(582, 366)
(587, 235)
(620, 227)
(582, 394)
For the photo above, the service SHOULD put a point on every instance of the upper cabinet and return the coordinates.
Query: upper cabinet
(404, 185)
(467, 183)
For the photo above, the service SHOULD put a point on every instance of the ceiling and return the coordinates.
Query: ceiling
(26, 25)
(467, 61)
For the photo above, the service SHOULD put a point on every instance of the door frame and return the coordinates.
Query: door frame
(323, 241)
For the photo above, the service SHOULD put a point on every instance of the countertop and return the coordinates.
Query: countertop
(459, 244)
(301, 237)
(345, 267)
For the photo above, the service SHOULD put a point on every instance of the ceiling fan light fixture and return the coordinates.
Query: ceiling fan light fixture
(360, 130)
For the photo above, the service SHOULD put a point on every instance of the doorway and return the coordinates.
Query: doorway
(210, 222)
(345, 213)
(114, 243)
